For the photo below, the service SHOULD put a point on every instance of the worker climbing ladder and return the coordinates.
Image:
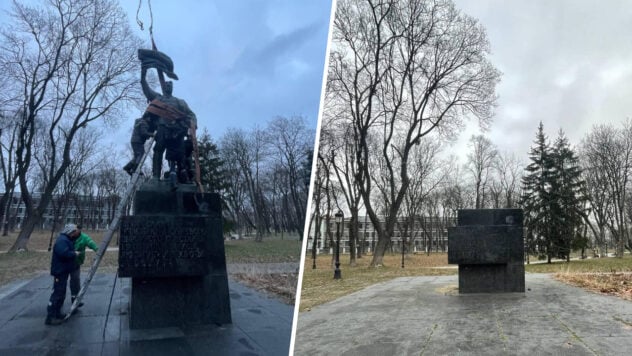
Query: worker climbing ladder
(131, 188)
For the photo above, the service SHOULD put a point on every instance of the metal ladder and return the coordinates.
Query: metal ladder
(131, 188)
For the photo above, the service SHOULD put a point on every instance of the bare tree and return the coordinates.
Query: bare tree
(425, 168)
(8, 142)
(73, 61)
(343, 147)
(509, 169)
(607, 158)
(84, 160)
(404, 69)
(480, 162)
(249, 152)
(290, 141)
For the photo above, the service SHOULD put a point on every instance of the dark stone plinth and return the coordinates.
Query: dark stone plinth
(485, 244)
(156, 197)
(487, 217)
(491, 278)
(488, 246)
(173, 248)
(165, 247)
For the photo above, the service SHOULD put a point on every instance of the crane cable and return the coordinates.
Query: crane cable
(161, 78)
(151, 18)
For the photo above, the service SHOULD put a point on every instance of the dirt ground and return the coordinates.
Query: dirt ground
(615, 283)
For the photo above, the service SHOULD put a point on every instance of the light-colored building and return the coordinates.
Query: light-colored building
(93, 212)
(427, 233)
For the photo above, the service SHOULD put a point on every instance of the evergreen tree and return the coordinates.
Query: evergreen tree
(536, 197)
(553, 198)
(212, 173)
(568, 199)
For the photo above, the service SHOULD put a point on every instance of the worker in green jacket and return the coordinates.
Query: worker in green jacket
(81, 243)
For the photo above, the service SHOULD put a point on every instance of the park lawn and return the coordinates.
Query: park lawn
(610, 275)
(613, 283)
(591, 265)
(268, 250)
(271, 249)
(319, 286)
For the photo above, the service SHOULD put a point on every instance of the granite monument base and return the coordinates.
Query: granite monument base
(173, 249)
(492, 278)
(488, 246)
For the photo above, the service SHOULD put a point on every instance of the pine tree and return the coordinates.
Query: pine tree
(212, 174)
(536, 197)
(568, 198)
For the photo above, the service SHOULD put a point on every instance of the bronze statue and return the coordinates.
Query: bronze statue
(144, 128)
(174, 117)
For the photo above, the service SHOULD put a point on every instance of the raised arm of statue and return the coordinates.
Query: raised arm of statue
(149, 93)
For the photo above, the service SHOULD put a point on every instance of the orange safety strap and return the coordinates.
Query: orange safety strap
(164, 110)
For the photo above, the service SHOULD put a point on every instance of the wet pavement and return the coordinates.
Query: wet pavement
(261, 325)
(427, 316)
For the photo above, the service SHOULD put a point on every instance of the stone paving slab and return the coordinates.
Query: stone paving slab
(261, 325)
(426, 316)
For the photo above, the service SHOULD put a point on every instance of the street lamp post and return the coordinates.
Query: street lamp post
(314, 246)
(339, 220)
(403, 246)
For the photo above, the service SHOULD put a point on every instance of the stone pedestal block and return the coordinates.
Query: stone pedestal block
(173, 249)
(488, 246)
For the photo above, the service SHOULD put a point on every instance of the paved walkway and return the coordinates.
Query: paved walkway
(425, 316)
(261, 325)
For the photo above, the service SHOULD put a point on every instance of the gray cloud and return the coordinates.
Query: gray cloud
(567, 63)
(239, 62)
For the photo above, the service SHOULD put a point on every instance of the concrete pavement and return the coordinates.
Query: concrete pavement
(427, 316)
(261, 325)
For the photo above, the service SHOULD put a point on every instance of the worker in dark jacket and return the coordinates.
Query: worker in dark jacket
(144, 128)
(63, 262)
(81, 243)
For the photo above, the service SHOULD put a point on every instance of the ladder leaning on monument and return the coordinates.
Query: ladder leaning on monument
(131, 187)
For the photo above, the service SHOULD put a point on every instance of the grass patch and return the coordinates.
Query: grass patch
(283, 285)
(269, 250)
(319, 286)
(592, 265)
(617, 284)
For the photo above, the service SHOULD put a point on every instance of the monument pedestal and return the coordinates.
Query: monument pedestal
(173, 249)
(488, 246)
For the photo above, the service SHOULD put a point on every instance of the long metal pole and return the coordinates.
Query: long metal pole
(337, 274)
(131, 187)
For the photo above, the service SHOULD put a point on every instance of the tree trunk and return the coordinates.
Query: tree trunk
(27, 229)
(353, 236)
(380, 250)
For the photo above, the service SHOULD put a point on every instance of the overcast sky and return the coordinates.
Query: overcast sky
(567, 63)
(239, 62)
(242, 62)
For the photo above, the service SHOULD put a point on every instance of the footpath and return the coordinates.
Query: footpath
(426, 316)
(261, 325)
